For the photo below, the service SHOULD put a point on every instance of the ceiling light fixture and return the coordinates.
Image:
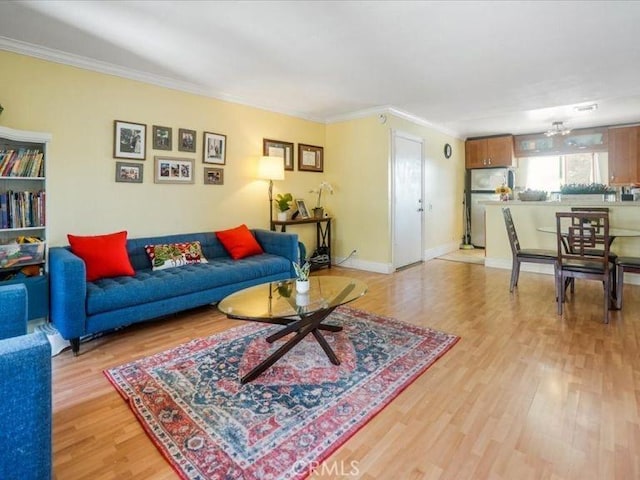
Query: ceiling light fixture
(557, 129)
(586, 108)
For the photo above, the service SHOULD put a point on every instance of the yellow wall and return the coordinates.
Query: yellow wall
(78, 107)
(360, 167)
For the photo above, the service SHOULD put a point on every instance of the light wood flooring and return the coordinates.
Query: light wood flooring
(524, 394)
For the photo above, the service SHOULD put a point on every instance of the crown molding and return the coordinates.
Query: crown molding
(24, 135)
(388, 109)
(57, 56)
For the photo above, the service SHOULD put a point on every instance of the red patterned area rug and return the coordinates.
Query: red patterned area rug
(209, 426)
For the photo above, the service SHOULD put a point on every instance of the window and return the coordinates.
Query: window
(550, 172)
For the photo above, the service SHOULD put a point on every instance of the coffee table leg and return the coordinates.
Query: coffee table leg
(274, 357)
(325, 346)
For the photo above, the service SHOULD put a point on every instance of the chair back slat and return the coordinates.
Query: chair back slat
(583, 237)
(511, 231)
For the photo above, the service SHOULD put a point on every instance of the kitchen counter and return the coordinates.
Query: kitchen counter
(528, 216)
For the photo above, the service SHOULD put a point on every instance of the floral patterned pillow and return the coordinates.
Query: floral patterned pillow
(174, 254)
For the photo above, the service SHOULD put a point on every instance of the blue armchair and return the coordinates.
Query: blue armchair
(25, 390)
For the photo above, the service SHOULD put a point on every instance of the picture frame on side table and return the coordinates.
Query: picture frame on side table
(213, 176)
(303, 211)
(129, 140)
(129, 172)
(277, 148)
(310, 158)
(162, 138)
(186, 140)
(215, 148)
(173, 170)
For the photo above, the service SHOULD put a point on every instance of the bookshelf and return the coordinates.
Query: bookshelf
(23, 226)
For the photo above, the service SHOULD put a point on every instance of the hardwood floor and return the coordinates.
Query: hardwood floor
(524, 394)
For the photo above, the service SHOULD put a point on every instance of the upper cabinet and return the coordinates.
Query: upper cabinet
(624, 155)
(489, 152)
(584, 139)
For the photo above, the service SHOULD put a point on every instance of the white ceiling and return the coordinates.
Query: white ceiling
(467, 68)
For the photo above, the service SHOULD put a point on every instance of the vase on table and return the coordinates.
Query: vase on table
(302, 286)
(318, 212)
(282, 216)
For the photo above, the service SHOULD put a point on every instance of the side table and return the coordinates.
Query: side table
(323, 236)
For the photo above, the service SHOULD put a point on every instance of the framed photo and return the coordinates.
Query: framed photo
(129, 172)
(276, 148)
(215, 148)
(213, 176)
(310, 158)
(302, 208)
(162, 138)
(173, 170)
(129, 140)
(186, 140)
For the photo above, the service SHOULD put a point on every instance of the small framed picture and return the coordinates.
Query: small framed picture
(213, 176)
(310, 158)
(215, 148)
(186, 140)
(302, 208)
(129, 172)
(276, 148)
(173, 170)
(129, 140)
(162, 138)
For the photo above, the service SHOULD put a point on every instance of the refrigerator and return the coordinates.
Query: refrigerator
(482, 186)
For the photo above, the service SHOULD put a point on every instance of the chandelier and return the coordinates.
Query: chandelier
(557, 128)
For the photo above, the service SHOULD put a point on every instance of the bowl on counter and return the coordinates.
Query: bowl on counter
(532, 196)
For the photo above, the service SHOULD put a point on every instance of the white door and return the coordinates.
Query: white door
(408, 175)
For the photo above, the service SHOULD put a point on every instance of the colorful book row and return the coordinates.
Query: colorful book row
(21, 163)
(22, 209)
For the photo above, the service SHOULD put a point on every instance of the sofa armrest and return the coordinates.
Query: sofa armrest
(279, 243)
(13, 314)
(25, 412)
(68, 292)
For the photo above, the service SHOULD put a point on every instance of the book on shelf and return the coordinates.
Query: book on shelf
(22, 209)
(21, 163)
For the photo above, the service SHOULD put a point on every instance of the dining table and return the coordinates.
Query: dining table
(614, 232)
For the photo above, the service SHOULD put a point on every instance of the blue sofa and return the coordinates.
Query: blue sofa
(79, 308)
(25, 387)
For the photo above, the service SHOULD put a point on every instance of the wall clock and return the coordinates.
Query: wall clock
(447, 150)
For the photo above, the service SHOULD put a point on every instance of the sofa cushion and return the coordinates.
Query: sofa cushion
(171, 255)
(152, 285)
(239, 242)
(104, 255)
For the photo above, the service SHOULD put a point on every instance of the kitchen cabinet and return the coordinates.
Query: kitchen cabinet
(578, 141)
(624, 156)
(489, 152)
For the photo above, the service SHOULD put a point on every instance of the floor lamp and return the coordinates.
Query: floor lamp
(271, 168)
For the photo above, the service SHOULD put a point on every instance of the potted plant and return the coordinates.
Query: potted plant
(302, 276)
(318, 211)
(587, 191)
(283, 201)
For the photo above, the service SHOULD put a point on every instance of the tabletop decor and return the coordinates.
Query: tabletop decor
(318, 210)
(283, 204)
(529, 195)
(504, 192)
(207, 425)
(302, 276)
(587, 191)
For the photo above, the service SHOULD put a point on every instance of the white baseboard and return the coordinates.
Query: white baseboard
(629, 278)
(441, 250)
(365, 265)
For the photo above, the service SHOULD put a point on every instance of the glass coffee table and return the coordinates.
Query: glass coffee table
(303, 313)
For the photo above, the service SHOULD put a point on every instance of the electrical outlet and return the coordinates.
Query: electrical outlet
(355, 252)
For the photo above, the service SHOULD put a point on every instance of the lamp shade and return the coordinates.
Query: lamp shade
(271, 168)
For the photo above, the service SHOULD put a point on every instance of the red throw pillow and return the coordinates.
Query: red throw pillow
(104, 255)
(239, 242)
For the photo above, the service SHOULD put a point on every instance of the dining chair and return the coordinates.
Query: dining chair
(520, 255)
(624, 264)
(583, 252)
